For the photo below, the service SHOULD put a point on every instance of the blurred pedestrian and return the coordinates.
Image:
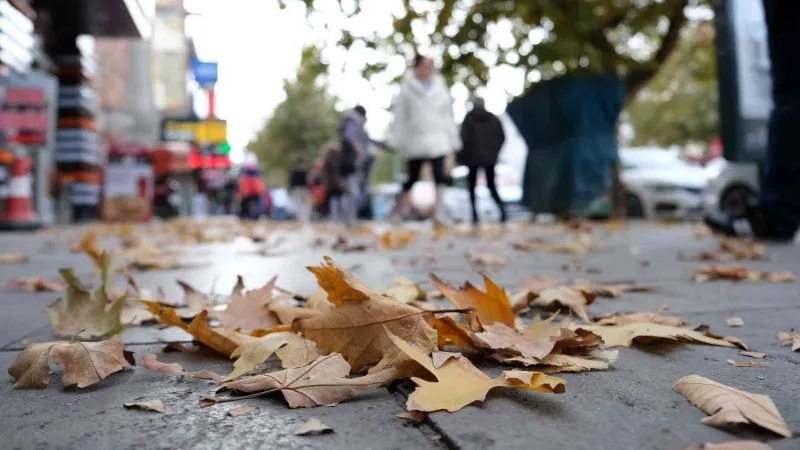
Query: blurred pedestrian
(299, 191)
(335, 184)
(424, 130)
(280, 203)
(776, 217)
(251, 189)
(355, 145)
(483, 137)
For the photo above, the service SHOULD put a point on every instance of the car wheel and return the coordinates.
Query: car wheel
(736, 199)
(634, 207)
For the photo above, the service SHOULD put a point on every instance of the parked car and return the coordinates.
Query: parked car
(732, 188)
(659, 184)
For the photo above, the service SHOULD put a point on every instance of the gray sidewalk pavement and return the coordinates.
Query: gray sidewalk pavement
(631, 406)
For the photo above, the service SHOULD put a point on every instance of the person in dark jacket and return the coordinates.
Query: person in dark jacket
(335, 182)
(482, 137)
(299, 191)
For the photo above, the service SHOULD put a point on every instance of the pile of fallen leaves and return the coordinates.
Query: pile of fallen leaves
(348, 338)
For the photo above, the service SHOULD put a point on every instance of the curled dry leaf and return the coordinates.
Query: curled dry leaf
(396, 240)
(322, 382)
(85, 363)
(707, 256)
(734, 322)
(439, 358)
(313, 426)
(747, 363)
(85, 313)
(244, 410)
(405, 291)
(790, 338)
(356, 328)
(625, 335)
(36, 284)
(490, 307)
(291, 349)
(151, 363)
(459, 383)
(500, 337)
(449, 332)
(743, 248)
(741, 273)
(559, 296)
(194, 302)
(199, 329)
(611, 290)
(733, 445)
(645, 317)
(756, 355)
(147, 405)
(13, 258)
(729, 406)
(487, 259)
(556, 362)
(540, 245)
(412, 416)
(248, 312)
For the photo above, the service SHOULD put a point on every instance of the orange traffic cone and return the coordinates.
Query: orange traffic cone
(17, 212)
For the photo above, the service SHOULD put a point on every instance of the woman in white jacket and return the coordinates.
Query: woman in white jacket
(424, 129)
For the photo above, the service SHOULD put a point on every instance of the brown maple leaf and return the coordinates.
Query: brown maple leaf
(356, 327)
(625, 335)
(291, 349)
(559, 296)
(85, 363)
(224, 342)
(500, 337)
(248, 312)
(322, 382)
(490, 306)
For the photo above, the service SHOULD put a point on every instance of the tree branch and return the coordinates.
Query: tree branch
(640, 76)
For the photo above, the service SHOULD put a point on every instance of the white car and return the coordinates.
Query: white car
(659, 184)
(734, 186)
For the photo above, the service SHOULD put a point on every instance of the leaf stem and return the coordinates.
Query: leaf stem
(456, 310)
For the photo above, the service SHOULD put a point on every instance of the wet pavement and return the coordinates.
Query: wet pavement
(630, 406)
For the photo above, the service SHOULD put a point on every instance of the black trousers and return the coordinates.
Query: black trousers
(780, 182)
(415, 166)
(490, 183)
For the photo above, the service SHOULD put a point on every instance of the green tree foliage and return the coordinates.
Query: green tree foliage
(548, 38)
(680, 104)
(301, 124)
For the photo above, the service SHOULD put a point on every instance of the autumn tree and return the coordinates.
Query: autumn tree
(680, 104)
(544, 38)
(301, 124)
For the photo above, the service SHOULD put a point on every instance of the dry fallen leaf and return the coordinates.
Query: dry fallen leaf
(537, 283)
(747, 363)
(733, 445)
(320, 383)
(540, 245)
(357, 327)
(247, 312)
(487, 259)
(573, 299)
(412, 416)
(707, 256)
(790, 338)
(199, 329)
(313, 426)
(624, 335)
(85, 363)
(449, 332)
(729, 406)
(743, 248)
(460, 383)
(194, 302)
(236, 412)
(645, 317)
(13, 258)
(757, 355)
(491, 306)
(396, 240)
(555, 363)
(500, 337)
(151, 363)
(36, 284)
(291, 349)
(405, 291)
(741, 273)
(734, 322)
(147, 405)
(86, 313)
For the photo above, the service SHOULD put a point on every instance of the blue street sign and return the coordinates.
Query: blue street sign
(204, 72)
